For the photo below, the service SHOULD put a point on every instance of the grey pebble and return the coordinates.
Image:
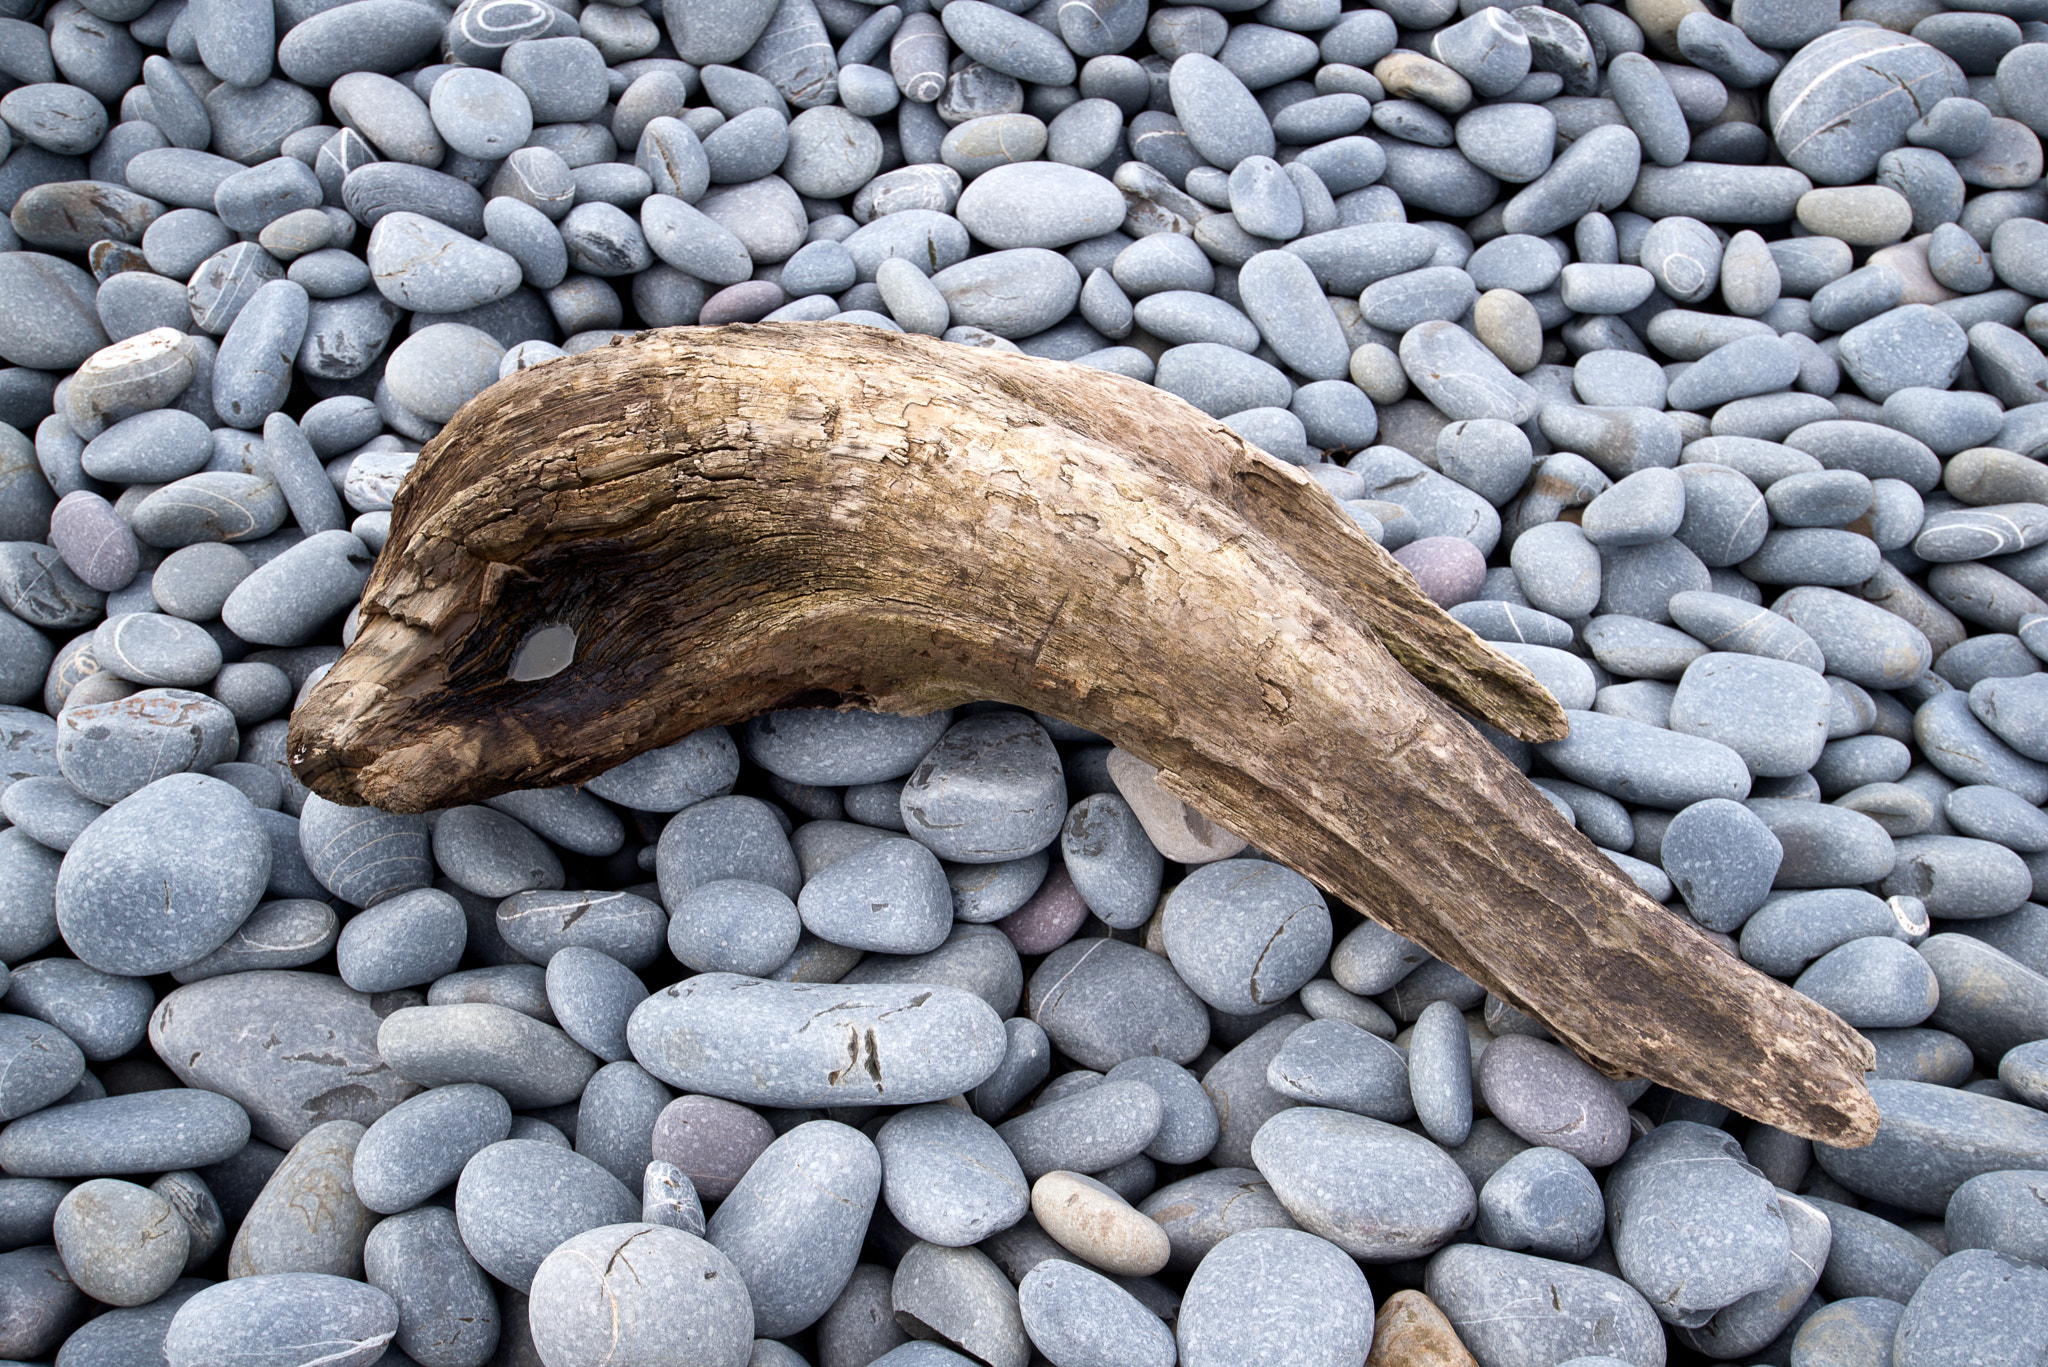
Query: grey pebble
(315, 1058)
(268, 1320)
(519, 1199)
(421, 1145)
(1275, 1295)
(145, 1132)
(796, 1243)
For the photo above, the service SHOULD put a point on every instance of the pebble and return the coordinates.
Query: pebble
(264, 1318)
(1275, 1295)
(665, 1033)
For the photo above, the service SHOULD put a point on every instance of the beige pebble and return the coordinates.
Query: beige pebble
(1861, 215)
(1412, 76)
(1659, 21)
(1377, 370)
(1508, 325)
(1412, 1332)
(1094, 1223)
(1986, 475)
(1179, 831)
(1909, 259)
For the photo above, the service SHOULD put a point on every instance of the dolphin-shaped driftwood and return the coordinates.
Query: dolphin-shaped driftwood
(689, 527)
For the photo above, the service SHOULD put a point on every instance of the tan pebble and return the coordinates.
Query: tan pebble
(1508, 324)
(1985, 475)
(1412, 76)
(1377, 370)
(1412, 1332)
(1659, 21)
(1861, 215)
(1092, 1222)
(1180, 832)
(1909, 259)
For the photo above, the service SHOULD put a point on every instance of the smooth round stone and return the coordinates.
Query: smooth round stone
(833, 748)
(1630, 760)
(447, 1312)
(773, 1060)
(1722, 859)
(1039, 204)
(441, 367)
(593, 1303)
(405, 941)
(294, 1049)
(1373, 1189)
(1115, 867)
(270, 1320)
(1544, 1202)
(713, 1142)
(1336, 1064)
(195, 581)
(733, 926)
(1876, 982)
(1275, 1295)
(155, 650)
(1975, 1301)
(1930, 1141)
(103, 1015)
(1770, 712)
(1099, 1126)
(1549, 1097)
(703, 764)
(991, 790)
(948, 1177)
(531, 1063)
(1448, 569)
(1091, 1220)
(145, 1132)
(200, 886)
(976, 959)
(592, 996)
(1504, 1304)
(362, 855)
(1860, 641)
(492, 855)
(43, 1065)
(519, 1199)
(794, 1224)
(621, 925)
(890, 897)
(1201, 1211)
(1246, 934)
(429, 267)
(1075, 1315)
(275, 1237)
(1825, 846)
(1684, 1172)
(94, 542)
(421, 1145)
(1012, 293)
(724, 837)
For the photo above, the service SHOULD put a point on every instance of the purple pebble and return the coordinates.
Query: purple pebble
(747, 302)
(94, 541)
(1450, 569)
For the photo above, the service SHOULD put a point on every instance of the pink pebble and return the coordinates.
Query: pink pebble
(1050, 918)
(1450, 569)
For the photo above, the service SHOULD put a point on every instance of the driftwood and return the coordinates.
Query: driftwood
(738, 519)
